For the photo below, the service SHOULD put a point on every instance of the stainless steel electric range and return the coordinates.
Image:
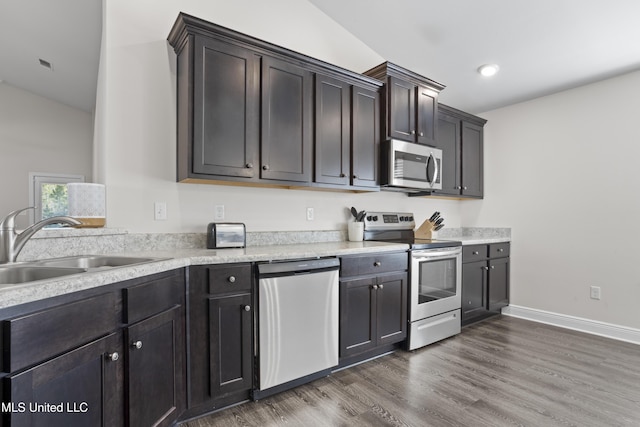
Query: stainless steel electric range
(435, 281)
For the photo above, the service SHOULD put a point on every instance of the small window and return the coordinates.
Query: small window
(48, 193)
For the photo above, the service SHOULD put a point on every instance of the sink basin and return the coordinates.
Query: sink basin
(94, 261)
(22, 274)
(12, 274)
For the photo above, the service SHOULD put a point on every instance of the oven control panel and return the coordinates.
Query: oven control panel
(389, 221)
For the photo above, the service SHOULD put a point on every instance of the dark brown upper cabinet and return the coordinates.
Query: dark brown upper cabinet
(286, 121)
(461, 139)
(225, 110)
(255, 113)
(410, 104)
(347, 135)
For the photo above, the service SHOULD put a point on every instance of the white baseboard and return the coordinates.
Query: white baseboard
(616, 332)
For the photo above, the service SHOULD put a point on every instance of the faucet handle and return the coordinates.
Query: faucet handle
(8, 222)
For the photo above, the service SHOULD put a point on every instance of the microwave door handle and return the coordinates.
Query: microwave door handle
(435, 169)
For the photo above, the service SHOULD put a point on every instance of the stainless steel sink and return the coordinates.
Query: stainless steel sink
(94, 261)
(24, 273)
(12, 274)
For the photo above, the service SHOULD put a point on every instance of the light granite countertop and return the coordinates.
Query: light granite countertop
(12, 295)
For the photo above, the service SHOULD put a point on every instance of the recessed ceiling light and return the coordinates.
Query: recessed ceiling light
(488, 70)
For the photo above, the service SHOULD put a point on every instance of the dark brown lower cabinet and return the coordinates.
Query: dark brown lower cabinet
(230, 343)
(485, 281)
(85, 384)
(109, 359)
(373, 304)
(155, 364)
(221, 336)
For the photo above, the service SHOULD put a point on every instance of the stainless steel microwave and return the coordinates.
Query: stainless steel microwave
(410, 167)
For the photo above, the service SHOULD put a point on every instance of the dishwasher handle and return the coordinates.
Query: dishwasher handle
(286, 268)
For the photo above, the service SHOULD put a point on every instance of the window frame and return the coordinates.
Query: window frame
(36, 179)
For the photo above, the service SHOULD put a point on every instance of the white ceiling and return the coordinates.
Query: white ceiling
(541, 46)
(65, 33)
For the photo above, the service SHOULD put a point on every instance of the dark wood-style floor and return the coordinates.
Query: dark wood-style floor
(501, 372)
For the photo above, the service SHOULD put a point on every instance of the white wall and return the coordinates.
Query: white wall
(136, 120)
(563, 172)
(39, 135)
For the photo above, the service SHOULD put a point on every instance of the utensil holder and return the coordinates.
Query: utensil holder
(356, 231)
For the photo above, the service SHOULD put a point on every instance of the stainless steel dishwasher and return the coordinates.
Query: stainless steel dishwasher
(298, 315)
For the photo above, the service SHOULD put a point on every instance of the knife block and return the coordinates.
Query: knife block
(426, 231)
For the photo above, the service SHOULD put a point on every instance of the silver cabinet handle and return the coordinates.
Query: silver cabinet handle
(137, 345)
(249, 166)
(421, 133)
(265, 167)
(485, 268)
(342, 175)
(247, 308)
(355, 176)
(464, 188)
(476, 253)
(380, 286)
(500, 249)
(232, 279)
(375, 286)
(413, 132)
(113, 356)
(493, 266)
(377, 264)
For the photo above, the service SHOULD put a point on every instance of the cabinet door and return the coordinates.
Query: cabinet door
(230, 331)
(498, 284)
(365, 137)
(427, 116)
(402, 110)
(226, 109)
(286, 121)
(156, 369)
(472, 160)
(391, 308)
(87, 382)
(449, 143)
(332, 138)
(474, 289)
(357, 316)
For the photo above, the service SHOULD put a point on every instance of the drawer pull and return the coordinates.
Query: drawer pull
(501, 250)
(137, 345)
(232, 279)
(377, 264)
(247, 308)
(113, 356)
(476, 253)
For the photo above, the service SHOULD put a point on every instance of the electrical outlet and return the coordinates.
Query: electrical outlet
(310, 214)
(160, 211)
(218, 213)
(595, 292)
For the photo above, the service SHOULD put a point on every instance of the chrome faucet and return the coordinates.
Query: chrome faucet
(12, 242)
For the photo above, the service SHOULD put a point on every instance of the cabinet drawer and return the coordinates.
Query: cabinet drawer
(474, 253)
(38, 336)
(373, 264)
(499, 250)
(150, 298)
(229, 278)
